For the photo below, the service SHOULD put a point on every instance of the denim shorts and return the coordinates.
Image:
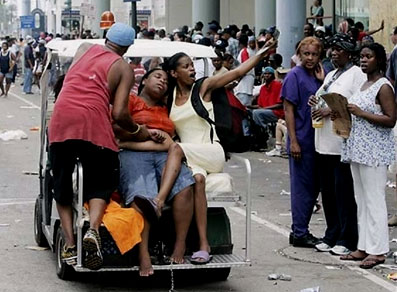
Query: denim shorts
(7, 75)
(140, 174)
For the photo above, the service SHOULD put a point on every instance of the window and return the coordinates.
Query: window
(358, 10)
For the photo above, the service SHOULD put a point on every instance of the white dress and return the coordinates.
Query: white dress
(202, 156)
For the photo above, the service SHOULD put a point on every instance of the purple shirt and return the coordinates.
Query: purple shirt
(298, 86)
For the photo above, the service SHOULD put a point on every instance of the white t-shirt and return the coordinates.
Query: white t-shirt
(246, 84)
(326, 141)
(199, 67)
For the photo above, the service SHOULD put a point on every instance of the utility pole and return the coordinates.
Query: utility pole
(68, 4)
(133, 14)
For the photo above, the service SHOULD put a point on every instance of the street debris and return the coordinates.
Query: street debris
(4, 224)
(285, 214)
(281, 277)
(314, 289)
(254, 213)
(265, 160)
(13, 135)
(10, 116)
(394, 240)
(34, 129)
(234, 166)
(285, 193)
(27, 172)
(333, 267)
(390, 267)
(392, 276)
(38, 248)
(391, 184)
(27, 106)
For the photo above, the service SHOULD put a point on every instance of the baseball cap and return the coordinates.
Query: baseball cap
(268, 70)
(320, 28)
(121, 34)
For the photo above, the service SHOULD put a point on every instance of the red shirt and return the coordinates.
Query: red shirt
(82, 110)
(154, 117)
(361, 35)
(270, 95)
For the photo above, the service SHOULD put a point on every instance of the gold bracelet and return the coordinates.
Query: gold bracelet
(137, 130)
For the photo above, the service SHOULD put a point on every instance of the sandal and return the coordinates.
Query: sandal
(352, 257)
(369, 263)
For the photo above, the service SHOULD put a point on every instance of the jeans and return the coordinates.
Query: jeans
(27, 82)
(262, 117)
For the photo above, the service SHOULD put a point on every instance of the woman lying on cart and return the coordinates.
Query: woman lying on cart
(141, 166)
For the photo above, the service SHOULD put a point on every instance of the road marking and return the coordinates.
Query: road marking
(24, 100)
(18, 203)
(369, 276)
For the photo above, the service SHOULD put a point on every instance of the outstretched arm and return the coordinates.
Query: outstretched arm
(382, 25)
(221, 80)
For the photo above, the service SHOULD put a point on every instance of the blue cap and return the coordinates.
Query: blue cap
(268, 70)
(121, 34)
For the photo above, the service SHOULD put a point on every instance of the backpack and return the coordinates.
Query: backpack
(230, 118)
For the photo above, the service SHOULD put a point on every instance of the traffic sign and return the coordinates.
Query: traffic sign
(27, 21)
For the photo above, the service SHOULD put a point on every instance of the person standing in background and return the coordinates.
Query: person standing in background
(391, 74)
(300, 83)
(370, 150)
(29, 64)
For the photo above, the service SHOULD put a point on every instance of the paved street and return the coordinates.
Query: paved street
(22, 268)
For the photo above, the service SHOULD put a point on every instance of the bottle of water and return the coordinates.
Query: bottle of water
(317, 124)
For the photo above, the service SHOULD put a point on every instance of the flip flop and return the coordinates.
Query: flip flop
(148, 206)
(351, 257)
(369, 263)
(200, 257)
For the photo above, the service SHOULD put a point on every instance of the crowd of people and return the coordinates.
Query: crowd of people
(350, 172)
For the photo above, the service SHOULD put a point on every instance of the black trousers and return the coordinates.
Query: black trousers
(339, 205)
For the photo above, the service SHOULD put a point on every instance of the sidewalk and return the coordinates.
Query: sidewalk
(271, 202)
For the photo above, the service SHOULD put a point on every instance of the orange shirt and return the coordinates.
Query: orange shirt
(154, 117)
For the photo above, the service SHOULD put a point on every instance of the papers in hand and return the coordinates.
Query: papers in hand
(343, 123)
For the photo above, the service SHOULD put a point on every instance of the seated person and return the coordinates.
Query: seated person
(269, 107)
(281, 134)
(142, 165)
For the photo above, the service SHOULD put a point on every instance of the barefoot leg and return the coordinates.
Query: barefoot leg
(145, 265)
(182, 208)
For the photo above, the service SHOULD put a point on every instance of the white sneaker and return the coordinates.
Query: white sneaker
(340, 250)
(274, 152)
(323, 247)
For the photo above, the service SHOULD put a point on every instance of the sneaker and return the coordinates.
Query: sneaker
(69, 255)
(317, 208)
(274, 152)
(340, 250)
(93, 259)
(392, 221)
(306, 241)
(323, 247)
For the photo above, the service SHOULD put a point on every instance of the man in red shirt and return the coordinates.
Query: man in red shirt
(80, 128)
(269, 107)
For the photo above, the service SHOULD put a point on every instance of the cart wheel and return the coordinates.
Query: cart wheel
(39, 236)
(64, 271)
